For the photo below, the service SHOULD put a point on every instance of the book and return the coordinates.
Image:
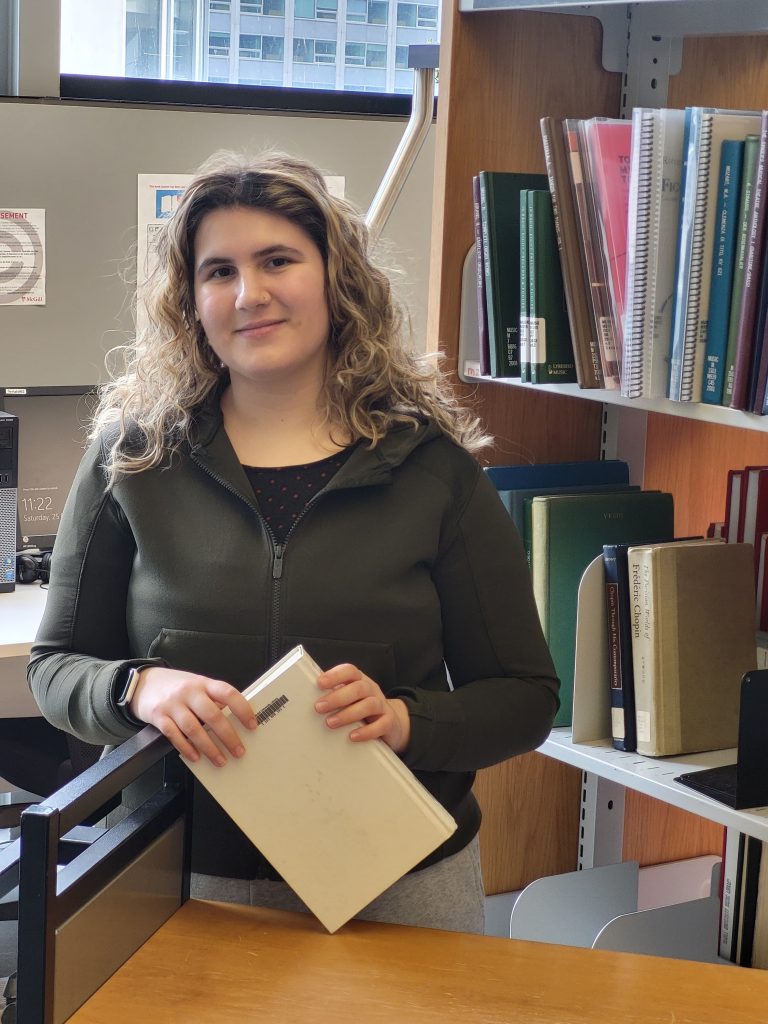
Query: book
(595, 270)
(549, 336)
(514, 500)
(760, 931)
(761, 598)
(340, 821)
(586, 348)
(696, 641)
(559, 474)
(728, 889)
(525, 346)
(567, 533)
(753, 513)
(621, 590)
(482, 314)
(609, 142)
(500, 213)
(753, 856)
(708, 128)
(654, 203)
(748, 173)
(733, 504)
(723, 260)
(752, 274)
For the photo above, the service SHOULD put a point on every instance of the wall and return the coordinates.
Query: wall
(80, 162)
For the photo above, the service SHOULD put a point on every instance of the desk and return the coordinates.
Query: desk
(221, 963)
(20, 615)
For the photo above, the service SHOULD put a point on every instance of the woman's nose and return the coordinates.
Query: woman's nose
(253, 291)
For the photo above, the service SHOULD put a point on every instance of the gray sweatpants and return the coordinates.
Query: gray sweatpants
(447, 895)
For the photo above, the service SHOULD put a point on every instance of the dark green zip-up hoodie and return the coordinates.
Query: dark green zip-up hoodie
(405, 564)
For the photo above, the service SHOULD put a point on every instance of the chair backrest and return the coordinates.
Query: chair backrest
(135, 873)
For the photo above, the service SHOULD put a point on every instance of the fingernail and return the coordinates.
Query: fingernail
(322, 705)
(219, 762)
(253, 723)
(239, 751)
(332, 720)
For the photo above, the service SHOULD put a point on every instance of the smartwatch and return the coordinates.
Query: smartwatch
(126, 686)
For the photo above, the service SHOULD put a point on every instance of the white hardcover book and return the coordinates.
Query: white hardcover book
(709, 128)
(654, 209)
(340, 821)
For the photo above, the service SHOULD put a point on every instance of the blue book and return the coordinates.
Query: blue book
(723, 260)
(559, 474)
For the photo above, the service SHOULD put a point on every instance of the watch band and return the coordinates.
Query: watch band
(131, 681)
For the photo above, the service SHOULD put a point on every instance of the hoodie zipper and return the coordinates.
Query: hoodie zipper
(278, 554)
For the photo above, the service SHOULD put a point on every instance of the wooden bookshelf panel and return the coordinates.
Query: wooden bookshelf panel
(692, 460)
(530, 820)
(656, 832)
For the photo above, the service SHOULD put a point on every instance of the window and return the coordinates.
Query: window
(180, 51)
(218, 44)
(401, 58)
(416, 16)
(371, 12)
(271, 8)
(324, 10)
(314, 51)
(369, 55)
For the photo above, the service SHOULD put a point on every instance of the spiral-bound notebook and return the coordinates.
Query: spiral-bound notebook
(340, 821)
(654, 205)
(706, 130)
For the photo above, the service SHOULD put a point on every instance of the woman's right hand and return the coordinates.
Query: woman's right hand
(180, 705)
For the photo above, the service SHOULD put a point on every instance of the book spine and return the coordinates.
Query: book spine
(482, 314)
(749, 171)
(554, 362)
(525, 311)
(728, 890)
(486, 212)
(687, 336)
(646, 652)
(759, 361)
(585, 343)
(751, 284)
(592, 255)
(540, 560)
(637, 333)
(536, 338)
(617, 593)
(722, 270)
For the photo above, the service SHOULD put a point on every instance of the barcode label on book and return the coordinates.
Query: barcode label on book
(271, 709)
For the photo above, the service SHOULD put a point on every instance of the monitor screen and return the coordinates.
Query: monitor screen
(53, 425)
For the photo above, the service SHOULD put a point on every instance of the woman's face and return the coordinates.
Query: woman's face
(260, 294)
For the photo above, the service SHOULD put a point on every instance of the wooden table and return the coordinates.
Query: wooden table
(221, 963)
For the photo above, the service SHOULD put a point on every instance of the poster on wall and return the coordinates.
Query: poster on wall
(22, 257)
(158, 197)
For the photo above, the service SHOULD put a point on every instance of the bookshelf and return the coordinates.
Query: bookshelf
(504, 65)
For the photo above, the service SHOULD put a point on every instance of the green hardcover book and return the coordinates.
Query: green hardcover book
(567, 533)
(551, 348)
(748, 176)
(524, 353)
(500, 216)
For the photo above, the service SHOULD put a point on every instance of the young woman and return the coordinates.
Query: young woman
(276, 467)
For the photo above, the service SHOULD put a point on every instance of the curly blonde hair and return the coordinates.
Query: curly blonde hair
(373, 380)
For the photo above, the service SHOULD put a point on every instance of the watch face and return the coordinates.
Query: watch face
(129, 687)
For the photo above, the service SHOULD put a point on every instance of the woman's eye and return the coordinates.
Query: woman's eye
(221, 272)
(279, 261)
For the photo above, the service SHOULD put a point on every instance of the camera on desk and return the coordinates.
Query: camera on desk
(33, 565)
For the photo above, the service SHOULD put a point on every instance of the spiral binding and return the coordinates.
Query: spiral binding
(696, 261)
(637, 336)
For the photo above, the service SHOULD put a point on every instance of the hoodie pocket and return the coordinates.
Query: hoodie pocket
(376, 660)
(233, 657)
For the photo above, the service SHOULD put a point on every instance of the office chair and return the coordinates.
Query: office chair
(74, 891)
(38, 758)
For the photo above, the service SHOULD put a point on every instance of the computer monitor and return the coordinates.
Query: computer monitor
(53, 425)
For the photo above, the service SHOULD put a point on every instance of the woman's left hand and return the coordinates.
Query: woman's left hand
(351, 696)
